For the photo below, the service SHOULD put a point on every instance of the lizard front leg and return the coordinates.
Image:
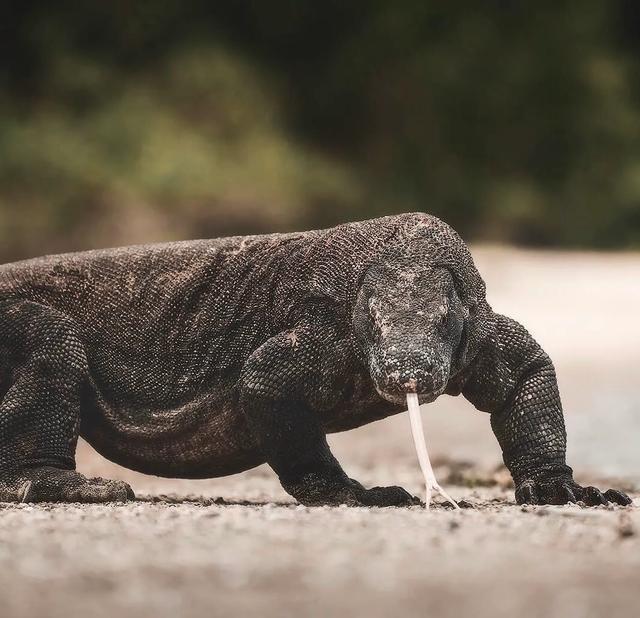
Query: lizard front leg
(284, 386)
(514, 380)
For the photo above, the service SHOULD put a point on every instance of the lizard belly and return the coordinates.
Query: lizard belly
(203, 438)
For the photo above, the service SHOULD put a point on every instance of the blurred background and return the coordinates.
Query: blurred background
(125, 122)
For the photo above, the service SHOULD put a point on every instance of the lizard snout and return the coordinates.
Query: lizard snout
(415, 371)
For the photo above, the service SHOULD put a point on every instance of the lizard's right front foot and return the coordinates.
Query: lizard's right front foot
(49, 484)
(315, 490)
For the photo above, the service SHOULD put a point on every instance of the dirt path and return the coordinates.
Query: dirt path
(202, 559)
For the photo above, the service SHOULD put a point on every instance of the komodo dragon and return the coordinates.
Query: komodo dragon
(205, 358)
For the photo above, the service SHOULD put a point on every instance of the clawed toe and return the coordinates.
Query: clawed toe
(592, 496)
(617, 497)
(527, 494)
(388, 496)
(115, 491)
(567, 495)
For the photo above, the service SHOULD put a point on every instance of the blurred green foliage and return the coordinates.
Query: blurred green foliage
(128, 121)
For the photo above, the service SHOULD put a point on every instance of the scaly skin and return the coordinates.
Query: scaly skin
(206, 358)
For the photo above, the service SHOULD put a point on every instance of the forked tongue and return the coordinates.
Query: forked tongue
(417, 431)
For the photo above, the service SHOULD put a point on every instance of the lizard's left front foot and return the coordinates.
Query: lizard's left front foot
(563, 490)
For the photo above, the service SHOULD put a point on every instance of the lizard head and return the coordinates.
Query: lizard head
(408, 321)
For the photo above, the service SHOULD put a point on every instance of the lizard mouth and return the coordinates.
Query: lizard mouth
(427, 388)
(399, 397)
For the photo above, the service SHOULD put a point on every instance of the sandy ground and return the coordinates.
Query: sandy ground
(240, 546)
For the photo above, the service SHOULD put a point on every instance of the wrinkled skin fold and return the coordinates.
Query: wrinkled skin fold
(206, 358)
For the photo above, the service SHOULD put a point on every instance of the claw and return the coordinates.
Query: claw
(23, 493)
(593, 496)
(527, 494)
(567, 494)
(617, 497)
(130, 493)
(431, 484)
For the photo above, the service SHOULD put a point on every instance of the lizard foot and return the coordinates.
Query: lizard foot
(49, 484)
(564, 491)
(313, 490)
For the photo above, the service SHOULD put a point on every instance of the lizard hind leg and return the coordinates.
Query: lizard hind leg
(43, 375)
